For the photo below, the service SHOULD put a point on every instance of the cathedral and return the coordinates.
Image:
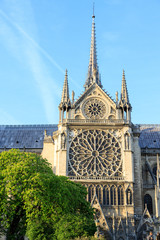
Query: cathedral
(96, 144)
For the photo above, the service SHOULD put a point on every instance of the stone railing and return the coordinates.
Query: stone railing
(96, 178)
(97, 121)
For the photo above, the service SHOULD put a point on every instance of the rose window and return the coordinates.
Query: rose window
(94, 109)
(95, 153)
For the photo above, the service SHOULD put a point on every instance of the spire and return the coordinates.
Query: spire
(65, 100)
(93, 71)
(65, 92)
(124, 92)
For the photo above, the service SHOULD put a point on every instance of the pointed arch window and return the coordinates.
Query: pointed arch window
(113, 195)
(120, 195)
(106, 195)
(148, 201)
(99, 193)
(90, 193)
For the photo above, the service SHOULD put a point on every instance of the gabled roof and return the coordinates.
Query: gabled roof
(89, 90)
(24, 136)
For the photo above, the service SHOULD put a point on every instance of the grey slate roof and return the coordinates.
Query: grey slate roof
(31, 136)
(28, 136)
(149, 136)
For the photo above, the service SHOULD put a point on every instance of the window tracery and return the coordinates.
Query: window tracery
(95, 153)
(94, 108)
(107, 194)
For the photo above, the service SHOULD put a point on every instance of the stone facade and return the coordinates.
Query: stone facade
(97, 145)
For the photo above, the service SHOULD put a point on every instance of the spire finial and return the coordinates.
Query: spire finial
(124, 92)
(93, 16)
(93, 71)
(124, 100)
(65, 92)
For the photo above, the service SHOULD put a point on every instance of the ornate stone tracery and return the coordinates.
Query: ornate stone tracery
(95, 153)
(94, 108)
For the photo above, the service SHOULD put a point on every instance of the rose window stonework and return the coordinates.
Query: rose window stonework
(94, 109)
(95, 153)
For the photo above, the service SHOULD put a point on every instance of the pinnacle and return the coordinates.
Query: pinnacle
(65, 92)
(124, 91)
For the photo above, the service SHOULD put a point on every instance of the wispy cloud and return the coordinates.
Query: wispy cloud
(31, 52)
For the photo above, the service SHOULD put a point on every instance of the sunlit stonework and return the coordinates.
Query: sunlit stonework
(95, 153)
(94, 109)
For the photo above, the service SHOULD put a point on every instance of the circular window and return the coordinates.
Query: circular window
(95, 153)
(94, 108)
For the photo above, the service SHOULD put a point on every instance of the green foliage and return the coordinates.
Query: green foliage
(38, 203)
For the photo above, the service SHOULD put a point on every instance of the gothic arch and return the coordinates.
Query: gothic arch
(91, 192)
(127, 141)
(99, 193)
(113, 195)
(120, 195)
(148, 201)
(106, 195)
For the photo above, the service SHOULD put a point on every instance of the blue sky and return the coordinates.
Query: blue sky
(39, 39)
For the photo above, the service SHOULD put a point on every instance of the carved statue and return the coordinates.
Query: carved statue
(63, 141)
(127, 142)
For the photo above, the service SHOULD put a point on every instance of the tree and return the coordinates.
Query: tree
(39, 204)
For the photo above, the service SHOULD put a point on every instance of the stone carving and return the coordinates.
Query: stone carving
(127, 145)
(95, 153)
(63, 141)
(94, 108)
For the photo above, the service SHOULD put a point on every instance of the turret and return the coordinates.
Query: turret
(124, 104)
(65, 104)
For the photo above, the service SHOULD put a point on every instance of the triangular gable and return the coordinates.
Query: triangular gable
(121, 229)
(89, 90)
(146, 218)
(102, 220)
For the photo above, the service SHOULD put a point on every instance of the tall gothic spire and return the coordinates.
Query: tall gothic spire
(65, 92)
(93, 71)
(124, 92)
(65, 100)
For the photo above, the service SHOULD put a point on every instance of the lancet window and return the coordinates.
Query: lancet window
(91, 193)
(99, 193)
(108, 194)
(120, 195)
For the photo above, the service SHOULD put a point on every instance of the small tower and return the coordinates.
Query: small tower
(65, 104)
(124, 104)
(93, 75)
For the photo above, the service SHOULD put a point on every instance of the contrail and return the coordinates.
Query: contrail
(33, 41)
(37, 46)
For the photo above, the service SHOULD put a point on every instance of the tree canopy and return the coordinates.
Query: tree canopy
(37, 203)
